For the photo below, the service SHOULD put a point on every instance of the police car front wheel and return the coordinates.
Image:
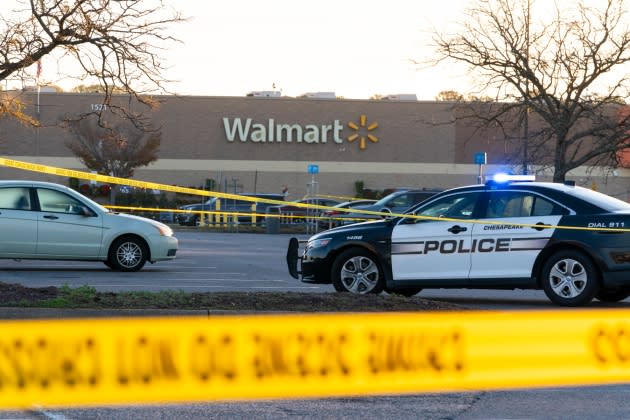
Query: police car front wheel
(357, 271)
(569, 278)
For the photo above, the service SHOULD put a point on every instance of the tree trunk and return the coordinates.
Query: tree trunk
(559, 165)
(559, 175)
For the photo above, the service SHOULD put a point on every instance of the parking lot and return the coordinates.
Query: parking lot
(246, 262)
(206, 262)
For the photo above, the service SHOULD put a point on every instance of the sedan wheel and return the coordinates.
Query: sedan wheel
(356, 271)
(569, 278)
(127, 254)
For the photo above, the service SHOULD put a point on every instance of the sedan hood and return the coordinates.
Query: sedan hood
(141, 220)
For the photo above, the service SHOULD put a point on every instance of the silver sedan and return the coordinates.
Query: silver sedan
(41, 220)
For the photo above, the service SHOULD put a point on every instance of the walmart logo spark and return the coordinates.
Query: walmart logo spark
(362, 132)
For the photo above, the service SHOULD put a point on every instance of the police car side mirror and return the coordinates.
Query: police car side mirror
(408, 221)
(386, 210)
(414, 220)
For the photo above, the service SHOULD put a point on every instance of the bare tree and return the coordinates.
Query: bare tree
(93, 89)
(117, 150)
(116, 43)
(560, 81)
(449, 96)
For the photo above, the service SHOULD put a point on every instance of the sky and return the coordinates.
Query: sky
(355, 48)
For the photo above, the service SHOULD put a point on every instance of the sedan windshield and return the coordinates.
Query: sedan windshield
(93, 204)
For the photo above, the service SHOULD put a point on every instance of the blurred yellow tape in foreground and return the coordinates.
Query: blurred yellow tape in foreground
(122, 361)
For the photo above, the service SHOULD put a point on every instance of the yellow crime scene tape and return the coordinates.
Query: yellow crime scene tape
(339, 197)
(161, 360)
(253, 214)
(51, 170)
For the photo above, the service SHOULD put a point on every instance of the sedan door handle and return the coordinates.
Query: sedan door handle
(51, 217)
(540, 226)
(456, 229)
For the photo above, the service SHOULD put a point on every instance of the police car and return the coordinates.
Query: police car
(510, 233)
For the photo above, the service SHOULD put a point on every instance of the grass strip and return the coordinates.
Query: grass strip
(66, 297)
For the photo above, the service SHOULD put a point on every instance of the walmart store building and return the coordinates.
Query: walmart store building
(262, 144)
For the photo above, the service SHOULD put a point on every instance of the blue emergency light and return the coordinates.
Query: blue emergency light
(503, 178)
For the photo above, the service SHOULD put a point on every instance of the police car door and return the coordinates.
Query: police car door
(505, 248)
(430, 248)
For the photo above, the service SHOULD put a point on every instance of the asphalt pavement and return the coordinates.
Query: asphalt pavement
(54, 313)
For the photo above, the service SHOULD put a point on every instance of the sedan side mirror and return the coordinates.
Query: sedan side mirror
(85, 211)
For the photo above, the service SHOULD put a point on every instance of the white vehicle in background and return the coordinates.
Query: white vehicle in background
(46, 221)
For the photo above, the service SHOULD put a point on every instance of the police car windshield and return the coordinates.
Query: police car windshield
(604, 201)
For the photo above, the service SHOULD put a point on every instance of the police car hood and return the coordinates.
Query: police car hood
(372, 224)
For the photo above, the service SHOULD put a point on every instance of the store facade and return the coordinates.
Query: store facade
(250, 144)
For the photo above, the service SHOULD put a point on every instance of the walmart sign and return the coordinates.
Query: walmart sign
(243, 130)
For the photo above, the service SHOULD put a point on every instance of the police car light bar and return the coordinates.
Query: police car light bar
(501, 178)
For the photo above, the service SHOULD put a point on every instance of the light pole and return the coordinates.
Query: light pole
(526, 117)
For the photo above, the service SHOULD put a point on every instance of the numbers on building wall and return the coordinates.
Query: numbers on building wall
(98, 107)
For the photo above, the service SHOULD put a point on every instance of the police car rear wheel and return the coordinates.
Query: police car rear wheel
(617, 295)
(569, 278)
(356, 271)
